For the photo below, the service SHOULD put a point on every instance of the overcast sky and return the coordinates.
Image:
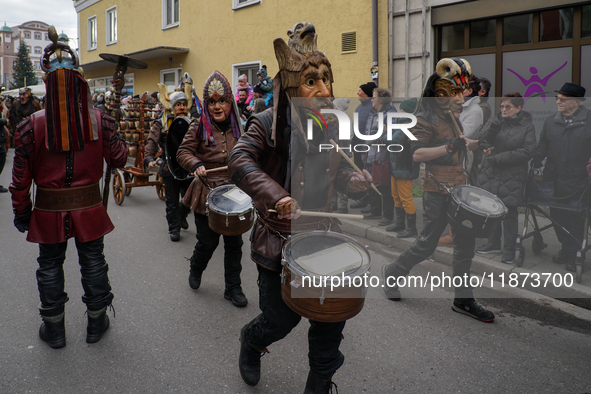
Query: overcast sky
(60, 13)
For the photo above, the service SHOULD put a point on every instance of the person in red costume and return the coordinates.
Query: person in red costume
(62, 150)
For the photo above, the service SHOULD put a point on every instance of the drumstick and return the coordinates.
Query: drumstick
(217, 169)
(326, 214)
(353, 164)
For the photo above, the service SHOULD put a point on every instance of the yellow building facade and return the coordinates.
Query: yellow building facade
(233, 36)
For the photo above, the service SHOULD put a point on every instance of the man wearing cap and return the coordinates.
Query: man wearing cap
(260, 93)
(22, 108)
(62, 150)
(565, 142)
(176, 212)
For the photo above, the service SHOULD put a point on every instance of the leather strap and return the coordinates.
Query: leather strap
(68, 199)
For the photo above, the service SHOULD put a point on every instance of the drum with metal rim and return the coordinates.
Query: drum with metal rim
(324, 275)
(474, 211)
(229, 210)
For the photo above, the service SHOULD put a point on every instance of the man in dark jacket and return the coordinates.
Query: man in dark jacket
(272, 164)
(565, 142)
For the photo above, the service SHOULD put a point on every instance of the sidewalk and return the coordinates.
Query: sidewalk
(482, 263)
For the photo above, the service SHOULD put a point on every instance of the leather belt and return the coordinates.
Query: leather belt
(68, 199)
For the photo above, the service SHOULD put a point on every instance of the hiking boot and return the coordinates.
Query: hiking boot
(508, 257)
(411, 227)
(392, 292)
(195, 279)
(384, 221)
(249, 361)
(571, 263)
(98, 323)
(319, 383)
(399, 224)
(367, 209)
(371, 216)
(53, 328)
(473, 309)
(3, 189)
(489, 247)
(561, 257)
(184, 223)
(175, 236)
(237, 297)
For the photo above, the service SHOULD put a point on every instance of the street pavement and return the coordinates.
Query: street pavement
(167, 338)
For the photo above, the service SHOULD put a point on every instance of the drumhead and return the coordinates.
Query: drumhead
(478, 200)
(325, 253)
(229, 199)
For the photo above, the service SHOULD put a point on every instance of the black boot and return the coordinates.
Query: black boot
(98, 322)
(53, 328)
(399, 224)
(411, 227)
(249, 362)
(319, 383)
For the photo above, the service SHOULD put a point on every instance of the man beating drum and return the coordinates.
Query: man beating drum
(207, 145)
(441, 145)
(276, 165)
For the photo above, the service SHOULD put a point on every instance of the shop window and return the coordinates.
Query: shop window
(452, 37)
(483, 33)
(518, 29)
(556, 24)
(586, 22)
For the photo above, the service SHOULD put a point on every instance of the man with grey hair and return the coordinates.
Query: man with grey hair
(176, 212)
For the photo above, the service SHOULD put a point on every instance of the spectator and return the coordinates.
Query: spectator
(265, 81)
(260, 93)
(565, 142)
(244, 85)
(381, 207)
(364, 93)
(402, 180)
(3, 139)
(504, 171)
(258, 105)
(483, 94)
(100, 102)
(243, 112)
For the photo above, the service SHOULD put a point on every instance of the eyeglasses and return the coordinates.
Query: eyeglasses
(507, 107)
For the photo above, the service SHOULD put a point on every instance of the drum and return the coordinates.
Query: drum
(474, 211)
(229, 210)
(176, 133)
(323, 275)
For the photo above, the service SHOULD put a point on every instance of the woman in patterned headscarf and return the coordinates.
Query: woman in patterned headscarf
(207, 145)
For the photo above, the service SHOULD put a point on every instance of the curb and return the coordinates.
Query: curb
(480, 264)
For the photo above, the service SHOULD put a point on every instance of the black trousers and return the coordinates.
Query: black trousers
(277, 320)
(434, 222)
(93, 267)
(509, 229)
(574, 223)
(207, 242)
(384, 204)
(175, 210)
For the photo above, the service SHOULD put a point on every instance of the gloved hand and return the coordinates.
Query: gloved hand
(456, 145)
(22, 222)
(496, 124)
(536, 163)
(484, 144)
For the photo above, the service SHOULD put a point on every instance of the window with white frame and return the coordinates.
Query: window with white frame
(170, 13)
(46, 37)
(38, 50)
(37, 36)
(112, 26)
(237, 4)
(171, 78)
(92, 33)
(249, 69)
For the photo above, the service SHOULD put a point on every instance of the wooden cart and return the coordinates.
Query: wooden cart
(134, 128)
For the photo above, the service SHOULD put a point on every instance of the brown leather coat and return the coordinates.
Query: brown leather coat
(156, 139)
(256, 167)
(194, 152)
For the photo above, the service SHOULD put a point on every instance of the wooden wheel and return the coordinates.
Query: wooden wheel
(128, 178)
(160, 188)
(118, 188)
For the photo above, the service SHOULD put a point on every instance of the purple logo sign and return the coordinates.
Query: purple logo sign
(534, 83)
